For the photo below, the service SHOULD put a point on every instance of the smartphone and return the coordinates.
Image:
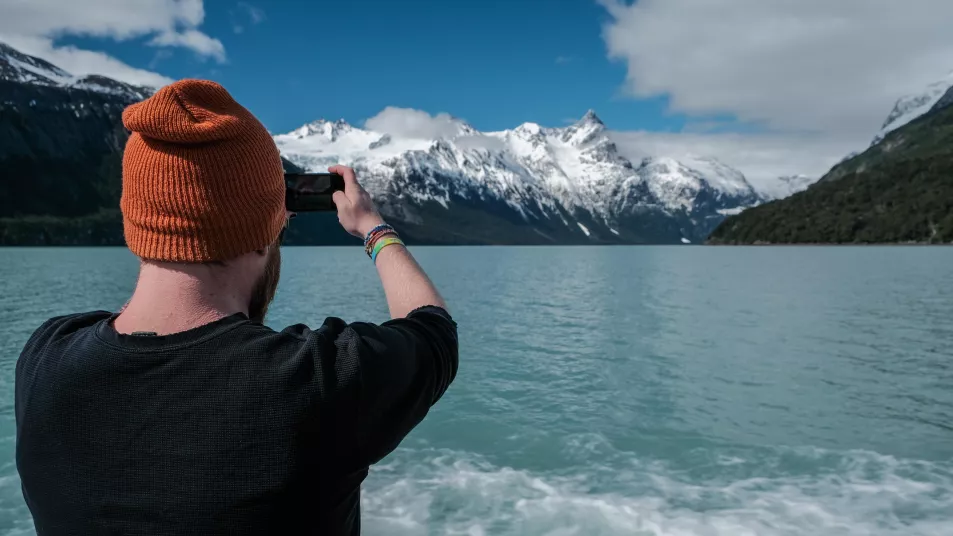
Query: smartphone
(311, 192)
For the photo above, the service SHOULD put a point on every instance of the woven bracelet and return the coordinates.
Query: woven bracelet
(376, 237)
(376, 230)
(383, 243)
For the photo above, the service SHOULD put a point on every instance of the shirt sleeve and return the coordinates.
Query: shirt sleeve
(404, 366)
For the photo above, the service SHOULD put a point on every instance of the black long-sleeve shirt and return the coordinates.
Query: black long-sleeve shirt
(229, 428)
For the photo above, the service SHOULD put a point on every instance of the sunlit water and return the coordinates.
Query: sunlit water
(656, 391)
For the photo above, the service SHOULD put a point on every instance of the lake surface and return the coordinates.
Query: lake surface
(645, 390)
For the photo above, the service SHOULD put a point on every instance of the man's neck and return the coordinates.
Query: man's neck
(171, 301)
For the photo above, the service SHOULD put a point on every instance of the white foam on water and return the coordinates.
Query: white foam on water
(455, 493)
(429, 492)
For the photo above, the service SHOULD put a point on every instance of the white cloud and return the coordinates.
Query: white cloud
(192, 39)
(820, 76)
(813, 65)
(410, 123)
(82, 62)
(31, 26)
(418, 124)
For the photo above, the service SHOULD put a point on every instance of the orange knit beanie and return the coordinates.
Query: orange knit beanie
(201, 177)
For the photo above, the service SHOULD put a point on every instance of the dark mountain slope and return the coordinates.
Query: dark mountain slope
(898, 191)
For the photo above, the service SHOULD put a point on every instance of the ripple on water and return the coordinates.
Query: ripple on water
(646, 391)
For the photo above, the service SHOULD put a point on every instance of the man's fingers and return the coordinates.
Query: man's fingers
(340, 199)
(350, 180)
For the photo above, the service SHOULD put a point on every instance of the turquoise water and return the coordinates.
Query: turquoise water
(656, 391)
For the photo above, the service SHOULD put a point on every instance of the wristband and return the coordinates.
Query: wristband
(374, 237)
(383, 243)
(375, 230)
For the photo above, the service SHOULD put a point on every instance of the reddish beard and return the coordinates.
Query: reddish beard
(264, 290)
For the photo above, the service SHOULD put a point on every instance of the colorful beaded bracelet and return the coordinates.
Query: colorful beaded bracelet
(376, 230)
(377, 235)
(383, 243)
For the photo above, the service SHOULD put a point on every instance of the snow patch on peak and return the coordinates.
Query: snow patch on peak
(913, 106)
(16, 66)
(684, 183)
(586, 130)
(672, 183)
(590, 117)
(719, 175)
(101, 84)
(327, 129)
(533, 129)
(19, 67)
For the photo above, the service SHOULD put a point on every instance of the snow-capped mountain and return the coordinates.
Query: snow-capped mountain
(913, 106)
(529, 185)
(787, 186)
(565, 184)
(18, 67)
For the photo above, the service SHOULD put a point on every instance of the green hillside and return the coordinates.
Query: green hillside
(899, 191)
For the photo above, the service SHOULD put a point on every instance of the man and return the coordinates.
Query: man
(183, 414)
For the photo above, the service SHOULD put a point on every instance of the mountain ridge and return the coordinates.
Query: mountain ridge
(18, 67)
(526, 185)
(571, 177)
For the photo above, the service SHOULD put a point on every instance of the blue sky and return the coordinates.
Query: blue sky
(494, 63)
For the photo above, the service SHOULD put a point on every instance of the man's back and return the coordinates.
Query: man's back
(228, 428)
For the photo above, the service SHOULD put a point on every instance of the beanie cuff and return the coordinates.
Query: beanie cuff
(205, 244)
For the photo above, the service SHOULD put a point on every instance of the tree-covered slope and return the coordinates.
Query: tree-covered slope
(898, 191)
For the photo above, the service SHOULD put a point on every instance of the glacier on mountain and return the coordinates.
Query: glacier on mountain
(913, 106)
(556, 174)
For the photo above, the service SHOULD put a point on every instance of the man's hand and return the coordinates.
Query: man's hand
(406, 286)
(356, 210)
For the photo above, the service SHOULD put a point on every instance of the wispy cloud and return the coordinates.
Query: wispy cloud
(256, 15)
(192, 39)
(160, 55)
(244, 14)
(564, 59)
